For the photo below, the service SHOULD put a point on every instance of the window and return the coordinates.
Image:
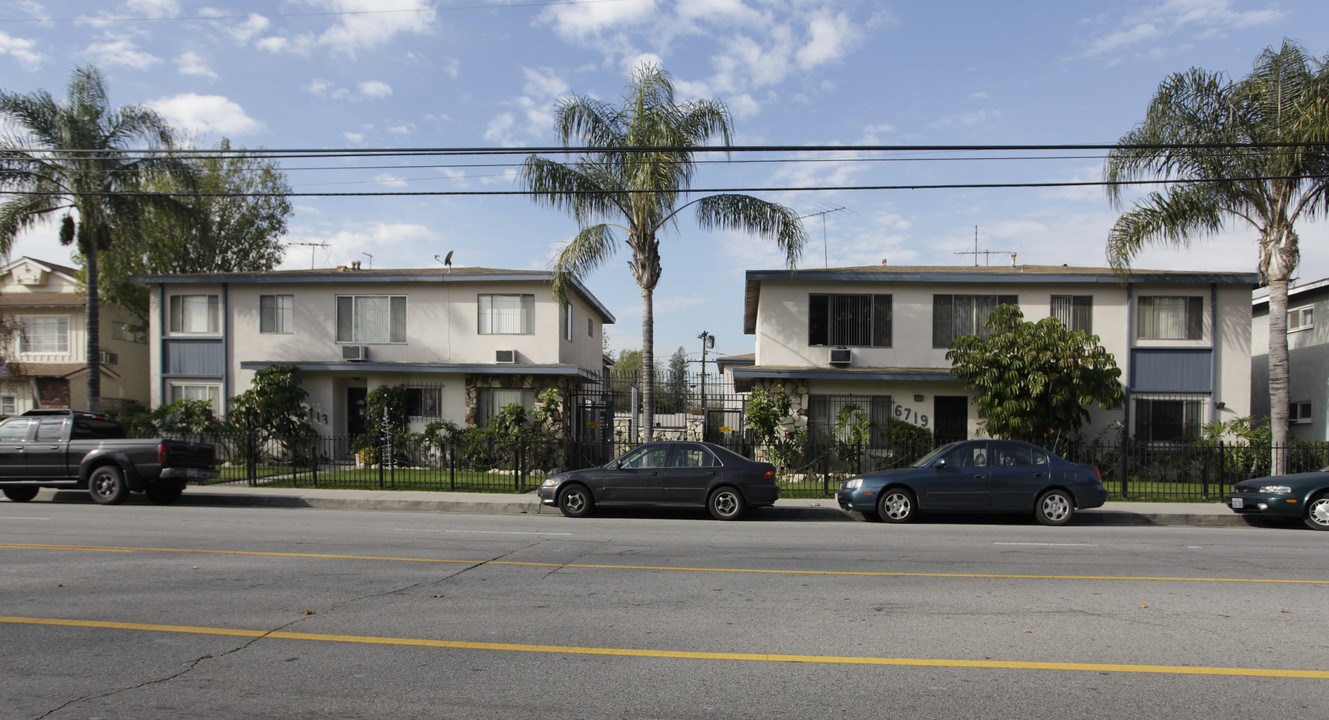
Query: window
(692, 456)
(644, 458)
(853, 320)
(8, 404)
(50, 430)
(507, 314)
(47, 334)
(1166, 420)
(954, 316)
(826, 412)
(276, 313)
(1169, 318)
(489, 401)
(1302, 318)
(590, 328)
(423, 402)
(1300, 413)
(15, 430)
(567, 321)
(1074, 311)
(1012, 455)
(371, 318)
(195, 313)
(207, 393)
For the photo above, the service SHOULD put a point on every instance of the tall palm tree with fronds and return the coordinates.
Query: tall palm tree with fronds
(70, 159)
(1240, 151)
(637, 168)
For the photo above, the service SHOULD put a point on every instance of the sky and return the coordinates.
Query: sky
(402, 74)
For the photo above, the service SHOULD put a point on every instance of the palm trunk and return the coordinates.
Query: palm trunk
(648, 361)
(1278, 374)
(93, 329)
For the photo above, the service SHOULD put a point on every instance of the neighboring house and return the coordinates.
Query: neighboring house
(1308, 359)
(1181, 339)
(465, 342)
(43, 324)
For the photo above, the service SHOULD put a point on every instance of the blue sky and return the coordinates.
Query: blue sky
(478, 73)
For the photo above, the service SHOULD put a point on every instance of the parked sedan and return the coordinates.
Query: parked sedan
(978, 476)
(667, 473)
(1301, 495)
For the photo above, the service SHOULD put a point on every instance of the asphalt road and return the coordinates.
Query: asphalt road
(147, 612)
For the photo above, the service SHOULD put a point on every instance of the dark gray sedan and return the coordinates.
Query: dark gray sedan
(978, 476)
(667, 473)
(1303, 496)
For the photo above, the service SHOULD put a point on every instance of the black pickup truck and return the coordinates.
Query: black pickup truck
(88, 451)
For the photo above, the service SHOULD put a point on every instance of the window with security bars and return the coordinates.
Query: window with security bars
(849, 320)
(371, 318)
(1074, 311)
(1162, 317)
(955, 316)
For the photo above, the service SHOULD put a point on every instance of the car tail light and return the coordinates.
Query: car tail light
(161, 452)
(1097, 474)
(768, 475)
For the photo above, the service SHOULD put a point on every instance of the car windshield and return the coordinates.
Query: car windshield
(927, 459)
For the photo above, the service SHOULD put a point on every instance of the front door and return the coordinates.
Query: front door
(355, 411)
(950, 418)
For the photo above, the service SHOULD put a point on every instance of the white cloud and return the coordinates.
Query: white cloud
(191, 64)
(829, 38)
(1210, 19)
(586, 20)
(535, 109)
(121, 51)
(206, 114)
(374, 89)
(21, 49)
(373, 22)
(154, 8)
(252, 26)
(392, 245)
(389, 180)
(353, 137)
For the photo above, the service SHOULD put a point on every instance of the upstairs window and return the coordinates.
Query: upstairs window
(276, 313)
(1300, 413)
(567, 321)
(1160, 317)
(1074, 311)
(1302, 318)
(849, 320)
(506, 314)
(955, 316)
(44, 334)
(195, 313)
(371, 318)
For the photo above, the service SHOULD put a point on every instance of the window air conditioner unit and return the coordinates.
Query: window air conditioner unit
(108, 358)
(354, 353)
(505, 356)
(840, 356)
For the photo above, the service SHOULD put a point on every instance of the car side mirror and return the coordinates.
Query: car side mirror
(940, 464)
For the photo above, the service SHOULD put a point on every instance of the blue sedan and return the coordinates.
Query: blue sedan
(978, 476)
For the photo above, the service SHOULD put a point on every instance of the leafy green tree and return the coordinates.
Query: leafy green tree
(765, 411)
(638, 163)
(1191, 123)
(273, 407)
(676, 382)
(234, 223)
(1031, 380)
(70, 159)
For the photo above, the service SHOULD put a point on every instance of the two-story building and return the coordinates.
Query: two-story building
(43, 342)
(880, 334)
(465, 342)
(1307, 357)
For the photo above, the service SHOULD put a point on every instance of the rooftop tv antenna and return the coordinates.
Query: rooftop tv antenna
(825, 254)
(987, 254)
(371, 259)
(312, 251)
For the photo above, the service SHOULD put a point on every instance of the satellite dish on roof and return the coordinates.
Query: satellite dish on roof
(447, 261)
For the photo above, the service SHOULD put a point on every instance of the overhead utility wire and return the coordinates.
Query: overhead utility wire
(824, 188)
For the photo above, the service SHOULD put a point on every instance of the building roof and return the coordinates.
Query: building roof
(825, 373)
(1260, 299)
(1014, 274)
(360, 368)
(345, 274)
(53, 267)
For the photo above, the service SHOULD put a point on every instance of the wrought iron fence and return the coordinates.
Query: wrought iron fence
(812, 467)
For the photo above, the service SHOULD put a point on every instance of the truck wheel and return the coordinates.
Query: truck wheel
(164, 493)
(107, 485)
(20, 494)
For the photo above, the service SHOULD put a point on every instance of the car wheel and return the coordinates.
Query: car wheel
(576, 501)
(897, 505)
(1317, 513)
(1054, 507)
(107, 485)
(21, 494)
(726, 504)
(165, 493)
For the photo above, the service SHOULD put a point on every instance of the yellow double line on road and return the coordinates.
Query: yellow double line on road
(851, 573)
(678, 654)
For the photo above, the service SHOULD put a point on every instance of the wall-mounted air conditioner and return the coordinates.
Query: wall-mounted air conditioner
(108, 358)
(841, 356)
(505, 356)
(354, 353)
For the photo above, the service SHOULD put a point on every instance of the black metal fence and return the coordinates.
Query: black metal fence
(812, 468)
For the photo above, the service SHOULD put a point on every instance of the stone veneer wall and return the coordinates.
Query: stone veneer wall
(555, 426)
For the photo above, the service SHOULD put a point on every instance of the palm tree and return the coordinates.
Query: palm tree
(637, 166)
(1240, 152)
(71, 157)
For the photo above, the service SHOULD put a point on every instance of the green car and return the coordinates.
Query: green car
(1301, 495)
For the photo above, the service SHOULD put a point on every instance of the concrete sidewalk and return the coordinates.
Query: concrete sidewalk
(1211, 514)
